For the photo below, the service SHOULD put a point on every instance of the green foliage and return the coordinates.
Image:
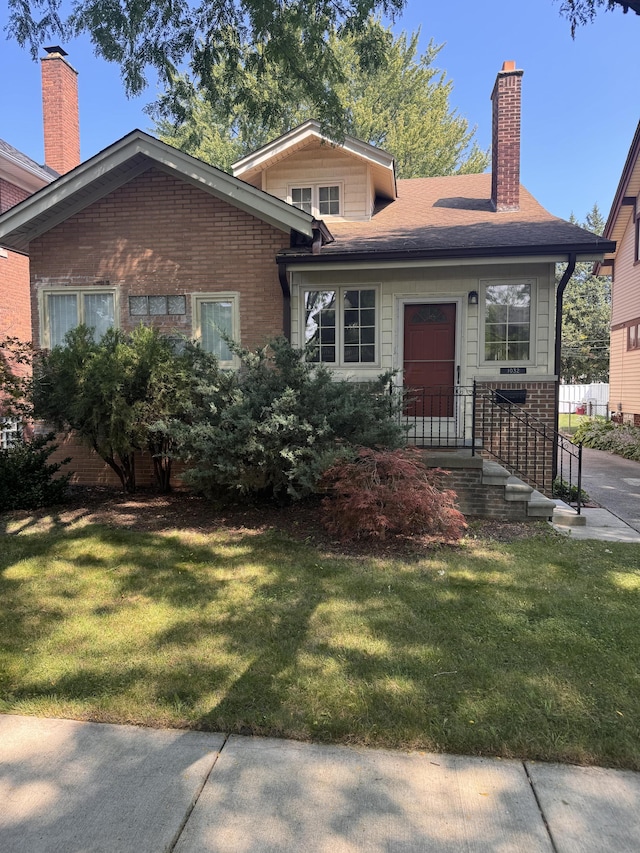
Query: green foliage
(288, 42)
(383, 492)
(115, 393)
(568, 492)
(586, 316)
(401, 105)
(27, 479)
(272, 428)
(581, 12)
(16, 359)
(621, 439)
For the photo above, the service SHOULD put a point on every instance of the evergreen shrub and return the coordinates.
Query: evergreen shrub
(27, 479)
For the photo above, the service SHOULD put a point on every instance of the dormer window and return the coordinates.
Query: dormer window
(318, 200)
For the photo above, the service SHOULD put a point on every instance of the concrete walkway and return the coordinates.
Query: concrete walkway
(614, 483)
(71, 787)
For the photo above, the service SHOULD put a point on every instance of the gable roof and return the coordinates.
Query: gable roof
(624, 201)
(452, 217)
(119, 163)
(18, 169)
(309, 133)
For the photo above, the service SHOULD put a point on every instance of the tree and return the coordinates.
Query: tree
(289, 40)
(580, 12)
(586, 315)
(116, 393)
(403, 107)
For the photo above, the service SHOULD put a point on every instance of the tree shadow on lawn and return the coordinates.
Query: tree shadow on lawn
(268, 636)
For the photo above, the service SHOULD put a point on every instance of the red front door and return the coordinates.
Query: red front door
(429, 359)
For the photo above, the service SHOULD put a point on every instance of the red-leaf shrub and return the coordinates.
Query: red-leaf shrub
(388, 491)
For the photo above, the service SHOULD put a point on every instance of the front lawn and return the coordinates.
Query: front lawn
(527, 648)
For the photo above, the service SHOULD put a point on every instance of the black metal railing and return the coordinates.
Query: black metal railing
(481, 419)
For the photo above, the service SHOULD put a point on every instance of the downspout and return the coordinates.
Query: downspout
(286, 300)
(564, 281)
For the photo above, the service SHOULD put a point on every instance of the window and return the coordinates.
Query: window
(141, 306)
(633, 342)
(216, 317)
(317, 200)
(340, 325)
(507, 322)
(10, 432)
(637, 258)
(64, 310)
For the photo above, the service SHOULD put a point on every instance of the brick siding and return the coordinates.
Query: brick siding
(505, 169)
(60, 114)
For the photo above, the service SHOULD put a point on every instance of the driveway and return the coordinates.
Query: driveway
(614, 483)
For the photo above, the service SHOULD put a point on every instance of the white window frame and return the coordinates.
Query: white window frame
(339, 290)
(80, 292)
(197, 299)
(483, 285)
(10, 432)
(315, 188)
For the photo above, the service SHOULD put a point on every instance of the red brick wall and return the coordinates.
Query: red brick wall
(15, 313)
(158, 235)
(505, 152)
(60, 114)
(10, 194)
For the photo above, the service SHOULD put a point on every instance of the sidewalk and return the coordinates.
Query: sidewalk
(71, 787)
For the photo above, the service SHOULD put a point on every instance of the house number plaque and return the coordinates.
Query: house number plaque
(512, 370)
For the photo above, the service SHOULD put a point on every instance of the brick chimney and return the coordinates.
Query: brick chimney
(60, 111)
(505, 149)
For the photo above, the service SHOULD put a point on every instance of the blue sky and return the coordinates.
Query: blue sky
(580, 102)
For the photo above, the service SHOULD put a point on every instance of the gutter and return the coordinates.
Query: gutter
(286, 300)
(564, 281)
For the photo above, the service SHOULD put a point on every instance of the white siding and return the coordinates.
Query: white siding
(324, 165)
(439, 284)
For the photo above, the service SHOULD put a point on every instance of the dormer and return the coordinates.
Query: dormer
(331, 181)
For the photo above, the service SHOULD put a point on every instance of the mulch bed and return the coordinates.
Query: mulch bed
(150, 512)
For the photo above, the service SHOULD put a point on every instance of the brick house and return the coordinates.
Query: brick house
(623, 226)
(20, 177)
(448, 281)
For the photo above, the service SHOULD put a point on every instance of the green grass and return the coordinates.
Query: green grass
(569, 423)
(527, 649)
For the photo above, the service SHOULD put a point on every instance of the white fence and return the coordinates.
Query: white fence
(593, 399)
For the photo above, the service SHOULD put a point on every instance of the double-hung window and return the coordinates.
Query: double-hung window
(216, 320)
(340, 325)
(63, 310)
(507, 321)
(317, 199)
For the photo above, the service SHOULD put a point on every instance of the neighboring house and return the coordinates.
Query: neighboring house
(20, 177)
(448, 281)
(623, 226)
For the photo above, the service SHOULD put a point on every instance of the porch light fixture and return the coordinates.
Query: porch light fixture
(473, 297)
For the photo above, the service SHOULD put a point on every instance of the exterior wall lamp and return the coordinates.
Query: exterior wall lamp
(473, 297)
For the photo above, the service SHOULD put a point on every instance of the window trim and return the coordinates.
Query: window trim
(43, 306)
(340, 363)
(232, 296)
(636, 344)
(315, 187)
(482, 321)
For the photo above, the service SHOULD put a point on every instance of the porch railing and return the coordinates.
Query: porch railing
(484, 421)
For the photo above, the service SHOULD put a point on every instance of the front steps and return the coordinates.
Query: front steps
(486, 489)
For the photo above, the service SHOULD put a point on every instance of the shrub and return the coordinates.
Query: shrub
(567, 492)
(621, 439)
(272, 428)
(390, 491)
(27, 479)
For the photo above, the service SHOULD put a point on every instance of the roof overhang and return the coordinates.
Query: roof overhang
(625, 201)
(117, 165)
(21, 174)
(310, 132)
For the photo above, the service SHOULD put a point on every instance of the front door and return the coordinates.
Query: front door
(429, 359)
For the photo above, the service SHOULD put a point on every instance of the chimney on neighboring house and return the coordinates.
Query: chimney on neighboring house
(505, 148)
(60, 111)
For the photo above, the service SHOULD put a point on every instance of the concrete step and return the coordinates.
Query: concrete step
(516, 490)
(566, 516)
(494, 474)
(540, 506)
